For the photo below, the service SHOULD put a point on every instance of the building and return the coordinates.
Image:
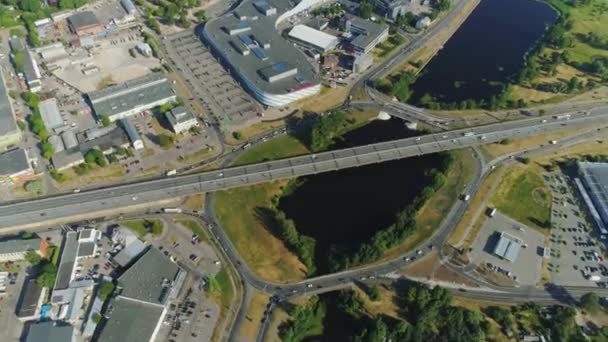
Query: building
(85, 23)
(507, 247)
(135, 315)
(423, 23)
(132, 133)
(592, 183)
(392, 8)
(16, 249)
(131, 97)
(268, 66)
(144, 49)
(362, 62)
(56, 142)
(365, 34)
(10, 134)
(69, 251)
(50, 331)
(129, 253)
(310, 37)
(15, 166)
(30, 300)
(33, 78)
(128, 6)
(181, 120)
(318, 23)
(49, 111)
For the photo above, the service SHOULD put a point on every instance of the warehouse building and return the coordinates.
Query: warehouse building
(85, 23)
(15, 166)
(392, 8)
(593, 186)
(134, 137)
(267, 65)
(507, 247)
(131, 97)
(310, 37)
(49, 111)
(365, 34)
(181, 120)
(10, 134)
(33, 78)
(50, 331)
(13, 249)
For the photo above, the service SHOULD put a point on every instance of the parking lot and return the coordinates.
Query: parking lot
(526, 268)
(220, 94)
(575, 249)
(9, 323)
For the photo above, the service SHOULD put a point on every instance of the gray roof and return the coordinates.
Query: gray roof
(49, 332)
(31, 71)
(130, 321)
(178, 115)
(83, 20)
(50, 113)
(131, 94)
(85, 233)
(366, 31)
(8, 125)
(149, 278)
(130, 252)
(69, 252)
(595, 176)
(18, 44)
(13, 161)
(507, 247)
(261, 31)
(86, 249)
(130, 130)
(19, 245)
(28, 299)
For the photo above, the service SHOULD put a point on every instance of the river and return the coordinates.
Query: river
(485, 51)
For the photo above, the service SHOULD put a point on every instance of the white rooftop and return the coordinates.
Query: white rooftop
(313, 37)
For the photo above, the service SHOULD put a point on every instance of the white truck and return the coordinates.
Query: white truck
(171, 173)
(492, 212)
(468, 134)
(466, 197)
(172, 210)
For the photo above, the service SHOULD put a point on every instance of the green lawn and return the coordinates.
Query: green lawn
(523, 195)
(276, 148)
(140, 227)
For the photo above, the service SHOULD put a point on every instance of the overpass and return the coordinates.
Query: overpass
(59, 209)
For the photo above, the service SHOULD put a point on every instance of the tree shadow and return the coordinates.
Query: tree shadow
(543, 224)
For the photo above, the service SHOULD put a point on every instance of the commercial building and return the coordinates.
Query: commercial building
(507, 247)
(16, 249)
(33, 78)
(362, 62)
(392, 8)
(129, 253)
(593, 186)
(15, 166)
(365, 34)
(310, 37)
(50, 331)
(10, 134)
(128, 6)
(137, 312)
(268, 66)
(49, 111)
(181, 120)
(132, 133)
(85, 23)
(131, 97)
(29, 302)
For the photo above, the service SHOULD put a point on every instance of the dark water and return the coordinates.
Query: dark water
(489, 47)
(348, 206)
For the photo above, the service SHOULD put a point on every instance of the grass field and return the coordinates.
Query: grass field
(523, 196)
(194, 202)
(224, 294)
(255, 312)
(139, 226)
(195, 228)
(277, 148)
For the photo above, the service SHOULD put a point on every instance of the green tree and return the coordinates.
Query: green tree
(95, 156)
(34, 187)
(105, 290)
(105, 120)
(165, 107)
(237, 135)
(96, 318)
(33, 258)
(590, 302)
(365, 9)
(46, 276)
(47, 150)
(165, 140)
(374, 293)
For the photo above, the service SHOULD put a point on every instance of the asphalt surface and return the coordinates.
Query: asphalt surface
(60, 208)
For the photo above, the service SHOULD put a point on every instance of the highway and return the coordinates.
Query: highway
(60, 208)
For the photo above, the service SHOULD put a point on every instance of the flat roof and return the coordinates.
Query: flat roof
(255, 34)
(19, 245)
(28, 298)
(69, 252)
(13, 162)
(130, 130)
(131, 94)
(595, 177)
(368, 31)
(85, 233)
(8, 123)
(86, 249)
(49, 331)
(49, 110)
(507, 247)
(130, 252)
(83, 20)
(130, 321)
(313, 37)
(150, 278)
(179, 115)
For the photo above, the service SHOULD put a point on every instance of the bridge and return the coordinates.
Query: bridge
(62, 208)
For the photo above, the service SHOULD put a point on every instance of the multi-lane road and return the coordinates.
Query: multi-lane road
(61, 208)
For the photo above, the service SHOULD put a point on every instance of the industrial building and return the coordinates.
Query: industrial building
(10, 134)
(593, 186)
(181, 120)
(15, 166)
(50, 331)
(137, 312)
(14, 249)
(131, 97)
(134, 137)
(128, 6)
(362, 62)
(29, 302)
(365, 34)
(310, 37)
(268, 66)
(31, 72)
(49, 111)
(392, 8)
(507, 247)
(85, 23)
